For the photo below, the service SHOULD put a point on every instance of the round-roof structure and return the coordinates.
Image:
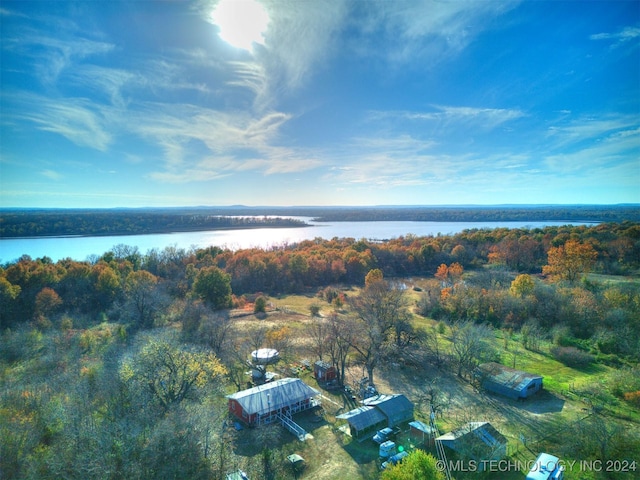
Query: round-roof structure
(265, 356)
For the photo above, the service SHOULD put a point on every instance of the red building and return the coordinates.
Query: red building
(323, 371)
(265, 403)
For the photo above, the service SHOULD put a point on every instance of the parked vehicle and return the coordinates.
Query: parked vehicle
(546, 467)
(387, 449)
(397, 458)
(385, 434)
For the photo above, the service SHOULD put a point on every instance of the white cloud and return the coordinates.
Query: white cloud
(413, 31)
(217, 143)
(590, 129)
(620, 149)
(301, 35)
(625, 35)
(51, 56)
(78, 120)
(52, 174)
(455, 116)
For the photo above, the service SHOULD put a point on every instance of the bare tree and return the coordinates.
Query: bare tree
(216, 332)
(598, 437)
(378, 308)
(434, 348)
(319, 332)
(469, 345)
(434, 397)
(531, 334)
(340, 338)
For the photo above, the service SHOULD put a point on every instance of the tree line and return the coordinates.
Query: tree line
(51, 223)
(31, 287)
(16, 223)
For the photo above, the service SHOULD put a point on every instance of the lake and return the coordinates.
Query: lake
(79, 248)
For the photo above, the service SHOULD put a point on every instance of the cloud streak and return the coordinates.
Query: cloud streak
(625, 35)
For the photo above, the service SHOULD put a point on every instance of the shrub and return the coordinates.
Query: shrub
(238, 302)
(260, 305)
(572, 357)
(561, 335)
(339, 301)
(633, 398)
(329, 294)
(66, 323)
(314, 309)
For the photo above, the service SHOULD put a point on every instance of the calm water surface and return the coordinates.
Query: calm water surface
(79, 248)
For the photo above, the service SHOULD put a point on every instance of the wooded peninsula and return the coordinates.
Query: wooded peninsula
(26, 223)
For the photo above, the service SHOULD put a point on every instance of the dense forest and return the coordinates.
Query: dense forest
(50, 223)
(89, 336)
(39, 288)
(88, 222)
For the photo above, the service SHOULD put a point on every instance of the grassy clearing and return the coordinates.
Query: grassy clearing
(609, 280)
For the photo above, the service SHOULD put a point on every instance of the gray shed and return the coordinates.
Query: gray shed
(476, 440)
(396, 408)
(507, 381)
(364, 420)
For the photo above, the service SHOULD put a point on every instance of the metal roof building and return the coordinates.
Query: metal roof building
(506, 381)
(396, 408)
(364, 420)
(476, 440)
(377, 412)
(259, 404)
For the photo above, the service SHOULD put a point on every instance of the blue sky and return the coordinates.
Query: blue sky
(146, 103)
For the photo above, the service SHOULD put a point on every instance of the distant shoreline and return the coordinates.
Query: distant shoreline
(64, 223)
(159, 232)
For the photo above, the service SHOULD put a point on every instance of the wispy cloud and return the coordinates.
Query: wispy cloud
(590, 129)
(5, 12)
(51, 174)
(425, 30)
(75, 119)
(50, 56)
(202, 144)
(611, 147)
(461, 116)
(623, 36)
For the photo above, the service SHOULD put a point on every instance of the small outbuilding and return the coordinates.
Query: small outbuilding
(396, 408)
(377, 412)
(478, 441)
(508, 382)
(323, 371)
(364, 421)
(420, 433)
(263, 404)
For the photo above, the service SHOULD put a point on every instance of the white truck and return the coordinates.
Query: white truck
(387, 449)
(546, 467)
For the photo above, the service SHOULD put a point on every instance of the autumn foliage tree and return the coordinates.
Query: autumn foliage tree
(170, 373)
(141, 299)
(568, 261)
(522, 285)
(450, 275)
(213, 286)
(373, 276)
(47, 302)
